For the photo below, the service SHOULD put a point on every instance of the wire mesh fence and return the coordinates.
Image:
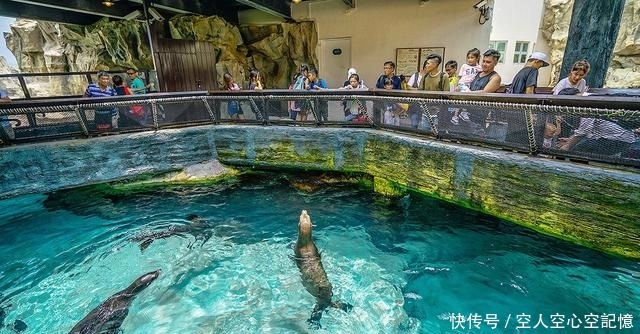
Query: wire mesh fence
(578, 132)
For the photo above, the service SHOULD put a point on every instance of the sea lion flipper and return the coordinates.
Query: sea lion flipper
(314, 324)
(145, 243)
(343, 306)
(314, 320)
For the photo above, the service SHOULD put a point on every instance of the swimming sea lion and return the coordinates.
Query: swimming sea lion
(197, 227)
(314, 278)
(108, 316)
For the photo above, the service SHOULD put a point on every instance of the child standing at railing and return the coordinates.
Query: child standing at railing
(233, 106)
(392, 110)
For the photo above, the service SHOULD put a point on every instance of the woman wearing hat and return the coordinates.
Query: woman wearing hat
(526, 79)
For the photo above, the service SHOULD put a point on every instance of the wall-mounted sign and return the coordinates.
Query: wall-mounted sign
(409, 60)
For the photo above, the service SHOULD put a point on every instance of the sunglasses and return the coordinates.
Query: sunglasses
(130, 73)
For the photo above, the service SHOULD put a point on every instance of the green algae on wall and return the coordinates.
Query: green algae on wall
(428, 171)
(592, 210)
(595, 210)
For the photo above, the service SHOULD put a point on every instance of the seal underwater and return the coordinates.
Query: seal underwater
(108, 316)
(196, 226)
(314, 278)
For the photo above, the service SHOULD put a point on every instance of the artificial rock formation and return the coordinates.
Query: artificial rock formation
(624, 69)
(46, 47)
(43, 47)
(275, 50)
(10, 85)
(555, 30)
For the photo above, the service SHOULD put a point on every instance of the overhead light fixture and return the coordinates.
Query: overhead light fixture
(108, 3)
(296, 1)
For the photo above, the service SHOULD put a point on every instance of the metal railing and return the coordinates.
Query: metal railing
(594, 128)
(29, 86)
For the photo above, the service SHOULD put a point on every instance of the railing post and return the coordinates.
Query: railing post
(209, 110)
(531, 131)
(24, 87)
(154, 113)
(425, 112)
(82, 120)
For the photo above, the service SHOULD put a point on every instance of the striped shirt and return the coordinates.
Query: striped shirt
(93, 90)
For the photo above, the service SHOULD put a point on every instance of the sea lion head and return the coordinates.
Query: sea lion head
(304, 226)
(143, 281)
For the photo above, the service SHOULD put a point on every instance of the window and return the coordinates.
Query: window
(521, 52)
(500, 46)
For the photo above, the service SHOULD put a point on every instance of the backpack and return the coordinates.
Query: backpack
(441, 77)
(416, 84)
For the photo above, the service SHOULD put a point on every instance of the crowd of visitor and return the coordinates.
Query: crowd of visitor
(476, 75)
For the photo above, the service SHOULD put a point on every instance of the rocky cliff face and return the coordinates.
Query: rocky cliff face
(275, 50)
(555, 30)
(52, 47)
(624, 69)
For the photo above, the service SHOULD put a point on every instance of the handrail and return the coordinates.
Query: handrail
(517, 112)
(89, 100)
(593, 101)
(88, 77)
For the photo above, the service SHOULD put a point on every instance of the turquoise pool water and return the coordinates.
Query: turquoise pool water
(407, 265)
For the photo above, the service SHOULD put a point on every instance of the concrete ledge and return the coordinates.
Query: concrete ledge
(593, 206)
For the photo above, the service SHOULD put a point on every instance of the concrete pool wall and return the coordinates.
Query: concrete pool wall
(594, 206)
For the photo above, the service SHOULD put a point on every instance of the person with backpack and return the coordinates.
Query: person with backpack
(434, 79)
(416, 78)
(415, 112)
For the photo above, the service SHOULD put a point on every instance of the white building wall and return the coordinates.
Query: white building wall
(519, 20)
(378, 27)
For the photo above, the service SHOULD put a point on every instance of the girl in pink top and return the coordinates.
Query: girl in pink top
(469, 70)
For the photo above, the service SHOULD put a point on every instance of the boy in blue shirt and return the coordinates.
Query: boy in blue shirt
(316, 83)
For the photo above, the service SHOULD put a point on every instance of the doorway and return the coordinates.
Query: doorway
(335, 61)
(185, 65)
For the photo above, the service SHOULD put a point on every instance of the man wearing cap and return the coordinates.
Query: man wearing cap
(526, 80)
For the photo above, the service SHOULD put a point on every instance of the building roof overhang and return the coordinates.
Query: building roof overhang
(86, 12)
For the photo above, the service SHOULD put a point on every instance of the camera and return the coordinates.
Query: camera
(480, 4)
